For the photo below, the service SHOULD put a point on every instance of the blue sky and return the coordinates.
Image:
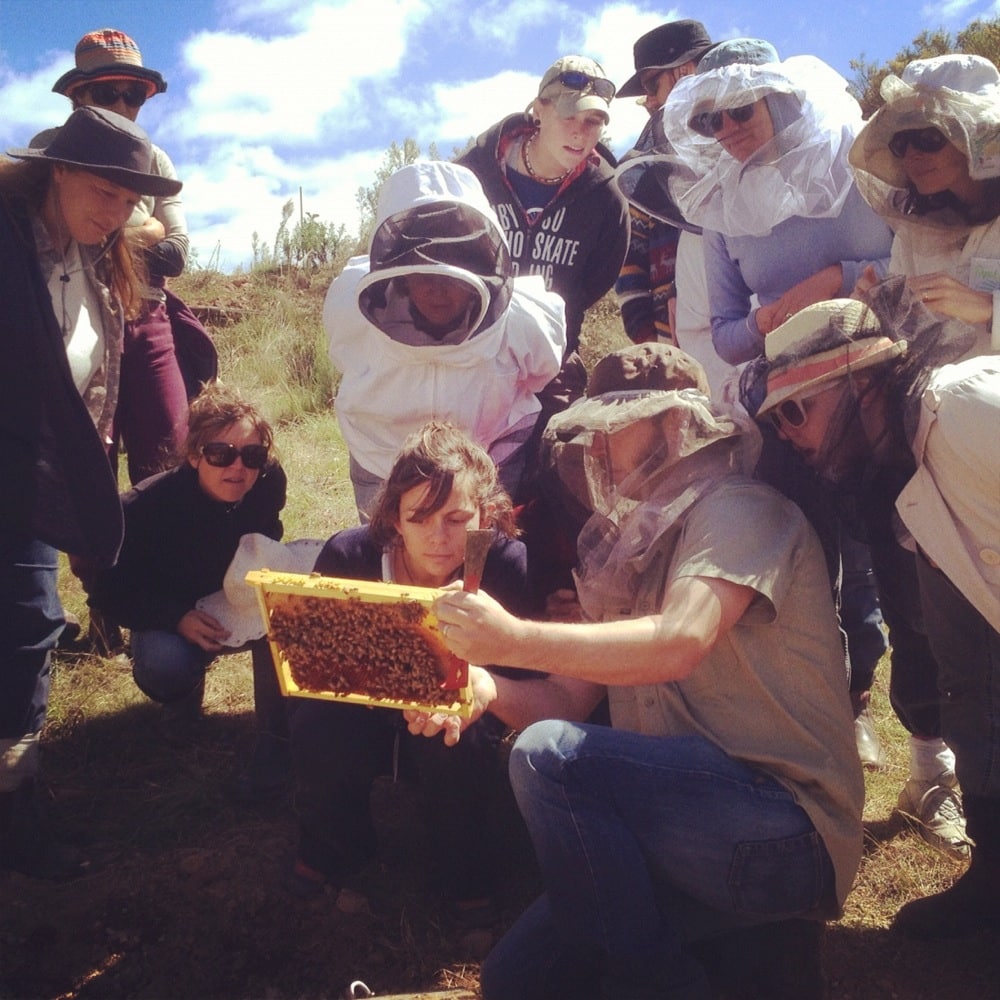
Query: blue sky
(267, 96)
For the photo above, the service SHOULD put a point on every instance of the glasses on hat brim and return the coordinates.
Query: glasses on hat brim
(709, 123)
(587, 84)
(923, 140)
(106, 94)
(221, 454)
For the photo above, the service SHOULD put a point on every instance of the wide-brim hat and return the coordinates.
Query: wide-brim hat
(108, 144)
(236, 607)
(108, 54)
(652, 367)
(958, 94)
(666, 47)
(569, 101)
(643, 176)
(822, 343)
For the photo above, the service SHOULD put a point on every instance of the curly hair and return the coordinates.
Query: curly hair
(439, 454)
(216, 408)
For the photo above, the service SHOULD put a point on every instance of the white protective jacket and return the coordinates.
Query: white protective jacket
(483, 375)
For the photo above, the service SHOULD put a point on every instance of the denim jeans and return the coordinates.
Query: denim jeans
(860, 613)
(31, 618)
(167, 668)
(644, 843)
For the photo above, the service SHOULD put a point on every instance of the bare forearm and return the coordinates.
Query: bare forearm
(520, 703)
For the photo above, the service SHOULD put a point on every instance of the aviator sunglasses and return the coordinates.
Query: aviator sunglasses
(221, 455)
(586, 83)
(708, 123)
(106, 94)
(923, 140)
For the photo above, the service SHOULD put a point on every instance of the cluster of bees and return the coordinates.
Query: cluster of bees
(353, 647)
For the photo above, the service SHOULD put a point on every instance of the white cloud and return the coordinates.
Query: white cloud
(502, 24)
(287, 85)
(29, 104)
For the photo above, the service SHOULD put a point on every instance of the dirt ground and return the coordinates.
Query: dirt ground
(183, 895)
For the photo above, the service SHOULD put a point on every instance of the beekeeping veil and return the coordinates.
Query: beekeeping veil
(679, 445)
(433, 218)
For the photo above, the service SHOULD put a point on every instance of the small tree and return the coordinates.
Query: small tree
(979, 38)
(395, 156)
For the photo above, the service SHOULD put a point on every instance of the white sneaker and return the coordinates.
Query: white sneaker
(936, 809)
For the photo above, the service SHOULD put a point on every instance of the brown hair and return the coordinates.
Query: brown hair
(438, 454)
(217, 407)
(28, 183)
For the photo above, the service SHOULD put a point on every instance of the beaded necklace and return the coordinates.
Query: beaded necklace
(529, 168)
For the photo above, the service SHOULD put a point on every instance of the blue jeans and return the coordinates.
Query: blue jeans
(168, 668)
(860, 613)
(31, 618)
(645, 843)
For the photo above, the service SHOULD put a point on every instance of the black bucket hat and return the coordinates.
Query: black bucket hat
(665, 47)
(107, 144)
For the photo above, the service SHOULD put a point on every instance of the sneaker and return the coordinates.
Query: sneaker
(869, 746)
(936, 809)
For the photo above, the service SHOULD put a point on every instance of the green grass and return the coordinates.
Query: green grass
(184, 898)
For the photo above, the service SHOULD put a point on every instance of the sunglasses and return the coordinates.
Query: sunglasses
(923, 140)
(651, 83)
(794, 413)
(221, 455)
(708, 123)
(106, 94)
(586, 84)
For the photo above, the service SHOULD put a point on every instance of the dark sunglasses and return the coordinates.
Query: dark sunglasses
(106, 94)
(587, 84)
(923, 140)
(651, 84)
(222, 455)
(708, 123)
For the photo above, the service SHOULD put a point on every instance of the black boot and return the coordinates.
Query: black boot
(27, 843)
(972, 904)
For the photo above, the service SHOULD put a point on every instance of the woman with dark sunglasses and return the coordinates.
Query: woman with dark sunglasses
(108, 73)
(928, 162)
(762, 149)
(182, 529)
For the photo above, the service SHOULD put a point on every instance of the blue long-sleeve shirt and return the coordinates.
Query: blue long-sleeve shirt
(738, 267)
